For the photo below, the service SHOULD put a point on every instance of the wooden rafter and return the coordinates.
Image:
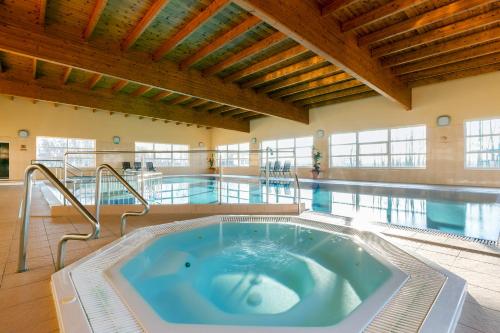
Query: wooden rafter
(323, 90)
(255, 116)
(267, 63)
(143, 24)
(329, 80)
(94, 18)
(35, 68)
(207, 107)
(42, 9)
(421, 21)
(179, 100)
(334, 95)
(119, 85)
(94, 80)
(312, 75)
(196, 103)
(440, 60)
(335, 5)
(343, 99)
(66, 74)
(221, 109)
(390, 8)
(243, 115)
(448, 46)
(453, 67)
(164, 76)
(283, 72)
(164, 94)
(232, 112)
(456, 75)
(322, 35)
(219, 42)
(245, 53)
(141, 91)
(188, 29)
(436, 34)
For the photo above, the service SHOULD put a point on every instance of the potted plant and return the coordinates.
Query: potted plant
(211, 162)
(316, 163)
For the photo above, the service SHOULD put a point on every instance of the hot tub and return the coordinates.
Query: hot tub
(255, 274)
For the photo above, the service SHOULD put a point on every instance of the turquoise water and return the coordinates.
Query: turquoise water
(254, 274)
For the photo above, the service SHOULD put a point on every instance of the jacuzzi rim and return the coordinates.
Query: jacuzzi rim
(361, 315)
(440, 317)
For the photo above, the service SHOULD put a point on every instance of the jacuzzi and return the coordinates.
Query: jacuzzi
(255, 274)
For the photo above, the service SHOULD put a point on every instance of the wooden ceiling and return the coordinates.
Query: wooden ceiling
(220, 63)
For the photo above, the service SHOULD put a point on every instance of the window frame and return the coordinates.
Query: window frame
(465, 144)
(66, 149)
(170, 160)
(238, 159)
(291, 150)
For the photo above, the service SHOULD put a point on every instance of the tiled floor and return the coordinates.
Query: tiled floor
(25, 299)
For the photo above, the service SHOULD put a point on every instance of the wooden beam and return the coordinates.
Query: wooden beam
(143, 24)
(188, 29)
(243, 115)
(142, 107)
(448, 46)
(335, 5)
(219, 42)
(196, 103)
(179, 100)
(255, 116)
(94, 18)
(446, 31)
(380, 13)
(312, 75)
(208, 106)
(221, 109)
(454, 67)
(141, 91)
(343, 99)
(334, 79)
(267, 63)
(164, 94)
(324, 90)
(283, 72)
(456, 75)
(334, 95)
(322, 35)
(42, 9)
(164, 76)
(245, 53)
(119, 85)
(35, 68)
(421, 21)
(94, 80)
(233, 112)
(448, 58)
(66, 74)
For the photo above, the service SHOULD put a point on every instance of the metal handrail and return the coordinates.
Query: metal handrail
(299, 198)
(123, 219)
(25, 216)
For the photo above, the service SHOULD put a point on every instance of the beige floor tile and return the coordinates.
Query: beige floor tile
(484, 297)
(36, 316)
(31, 276)
(27, 293)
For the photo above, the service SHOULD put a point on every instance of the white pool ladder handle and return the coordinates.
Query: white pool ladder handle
(299, 199)
(25, 216)
(114, 173)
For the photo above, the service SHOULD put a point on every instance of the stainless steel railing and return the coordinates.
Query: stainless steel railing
(297, 192)
(123, 219)
(26, 209)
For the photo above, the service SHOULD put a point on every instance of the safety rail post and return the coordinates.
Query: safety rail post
(299, 199)
(123, 218)
(267, 175)
(25, 216)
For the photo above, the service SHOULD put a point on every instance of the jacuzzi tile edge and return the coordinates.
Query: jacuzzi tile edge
(83, 280)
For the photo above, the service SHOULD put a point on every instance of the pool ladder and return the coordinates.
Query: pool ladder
(93, 220)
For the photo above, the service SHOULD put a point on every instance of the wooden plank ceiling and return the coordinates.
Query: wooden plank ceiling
(220, 63)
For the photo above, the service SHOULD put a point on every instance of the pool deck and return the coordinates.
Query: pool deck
(26, 302)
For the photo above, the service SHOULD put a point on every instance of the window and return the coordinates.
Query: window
(50, 151)
(235, 155)
(165, 155)
(282, 150)
(383, 148)
(482, 144)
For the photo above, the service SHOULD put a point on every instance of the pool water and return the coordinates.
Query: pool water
(471, 214)
(254, 274)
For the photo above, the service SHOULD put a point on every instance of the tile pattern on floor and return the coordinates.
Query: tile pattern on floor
(26, 302)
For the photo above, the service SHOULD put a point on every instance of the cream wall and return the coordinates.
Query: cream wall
(470, 98)
(43, 119)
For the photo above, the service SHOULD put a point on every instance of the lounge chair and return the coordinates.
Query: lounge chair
(286, 169)
(126, 166)
(137, 166)
(150, 167)
(275, 171)
(263, 169)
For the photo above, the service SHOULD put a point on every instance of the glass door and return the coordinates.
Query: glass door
(4, 160)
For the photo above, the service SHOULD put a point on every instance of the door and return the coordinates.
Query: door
(4, 160)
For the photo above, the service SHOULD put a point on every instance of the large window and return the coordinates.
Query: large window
(482, 144)
(383, 148)
(164, 155)
(235, 155)
(50, 151)
(282, 150)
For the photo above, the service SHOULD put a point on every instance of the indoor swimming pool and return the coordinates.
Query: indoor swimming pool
(454, 210)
